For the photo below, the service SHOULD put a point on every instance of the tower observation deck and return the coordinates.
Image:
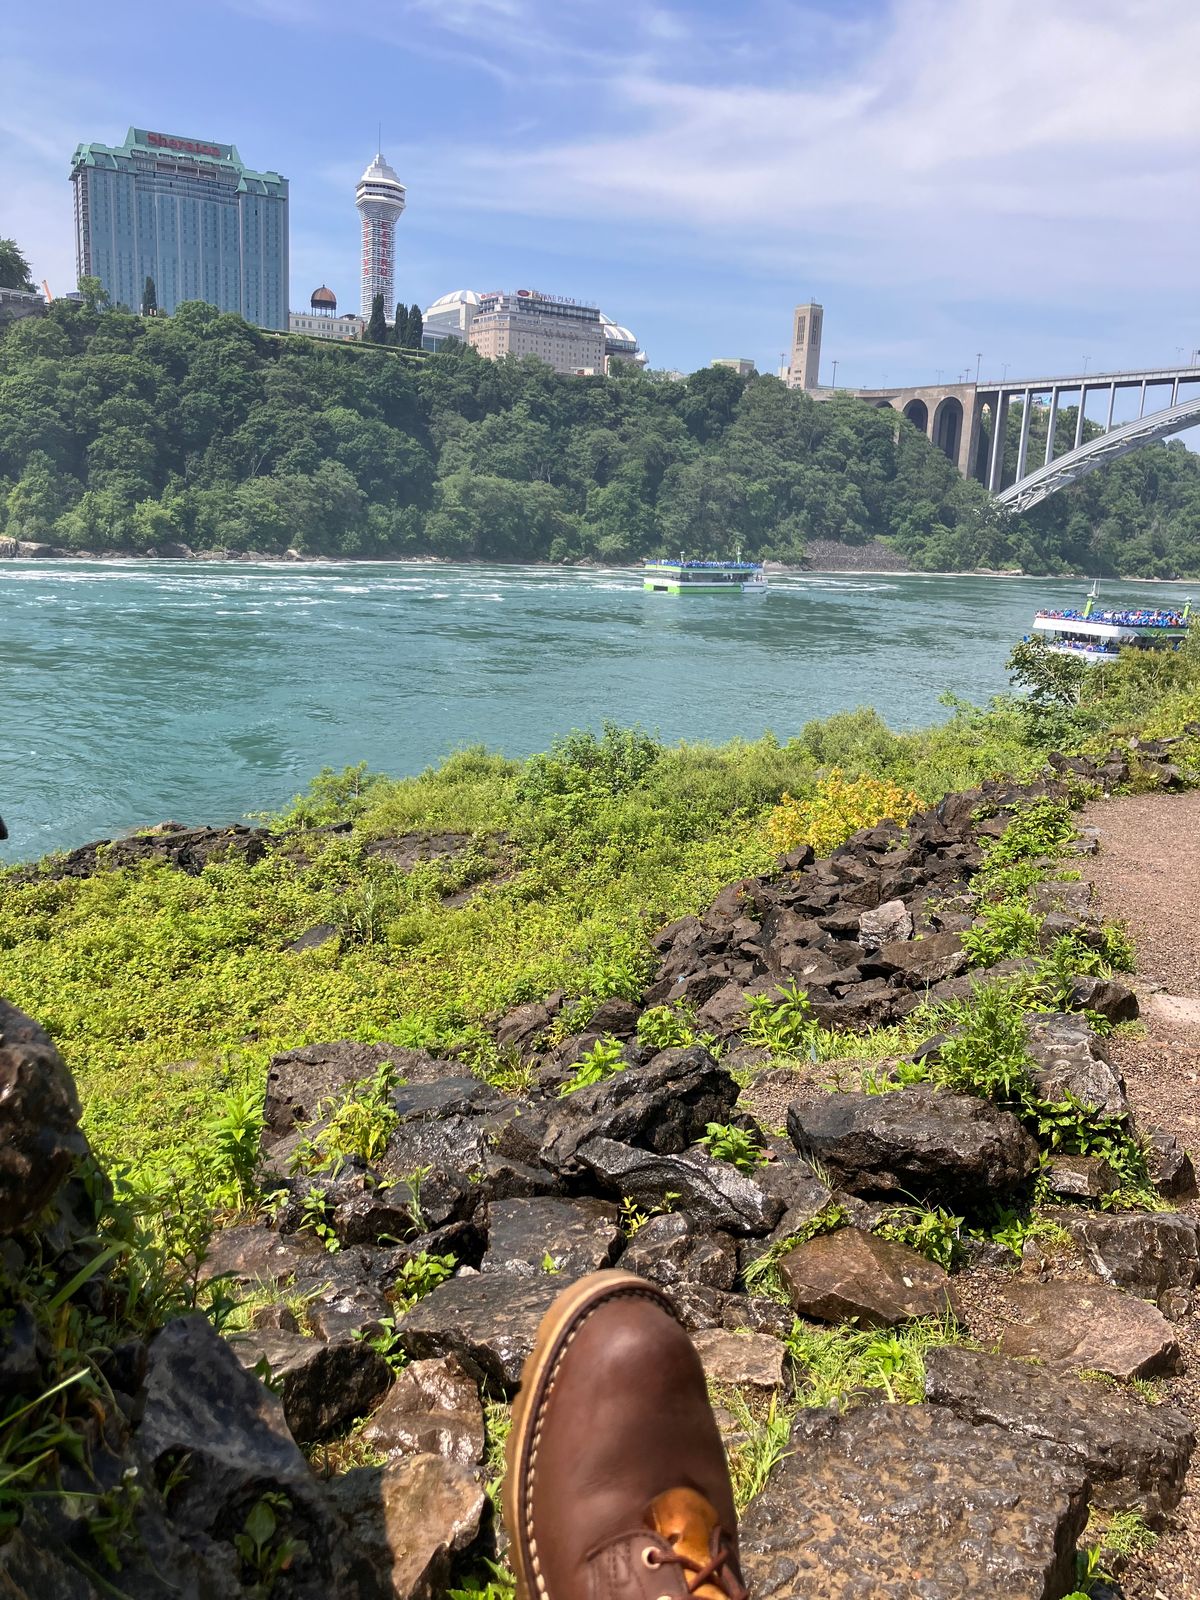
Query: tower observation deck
(380, 198)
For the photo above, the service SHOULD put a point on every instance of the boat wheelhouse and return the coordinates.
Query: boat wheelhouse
(1097, 635)
(704, 577)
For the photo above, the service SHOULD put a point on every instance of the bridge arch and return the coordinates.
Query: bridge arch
(917, 413)
(1041, 484)
(948, 426)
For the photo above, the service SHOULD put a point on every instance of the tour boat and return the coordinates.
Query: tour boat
(704, 577)
(1096, 635)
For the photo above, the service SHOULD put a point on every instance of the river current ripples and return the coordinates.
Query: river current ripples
(134, 691)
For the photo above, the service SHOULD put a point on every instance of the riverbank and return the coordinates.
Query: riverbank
(825, 558)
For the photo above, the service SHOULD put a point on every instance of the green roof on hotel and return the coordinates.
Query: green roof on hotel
(149, 142)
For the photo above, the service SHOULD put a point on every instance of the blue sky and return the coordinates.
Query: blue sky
(950, 178)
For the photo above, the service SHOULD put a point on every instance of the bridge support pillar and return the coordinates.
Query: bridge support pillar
(999, 428)
(1079, 418)
(1023, 447)
(1051, 425)
(1112, 402)
(1142, 407)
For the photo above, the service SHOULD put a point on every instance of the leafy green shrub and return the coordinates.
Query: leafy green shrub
(782, 1023)
(358, 1125)
(420, 1276)
(665, 1027)
(738, 1146)
(1002, 930)
(605, 1058)
(929, 1230)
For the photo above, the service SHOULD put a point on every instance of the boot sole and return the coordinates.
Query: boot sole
(554, 1334)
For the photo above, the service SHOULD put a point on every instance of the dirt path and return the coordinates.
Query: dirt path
(1147, 874)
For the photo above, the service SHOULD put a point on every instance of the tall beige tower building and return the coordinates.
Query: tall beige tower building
(803, 373)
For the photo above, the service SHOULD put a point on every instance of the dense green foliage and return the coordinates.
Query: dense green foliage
(118, 432)
(124, 433)
(14, 268)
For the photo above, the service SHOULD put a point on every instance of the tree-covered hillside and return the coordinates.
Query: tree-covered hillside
(125, 433)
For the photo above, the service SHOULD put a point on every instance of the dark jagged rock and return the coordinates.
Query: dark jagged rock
(853, 1276)
(917, 1141)
(202, 1407)
(489, 1319)
(615, 1018)
(1171, 1170)
(254, 1253)
(747, 1360)
(365, 1212)
(710, 1192)
(531, 1237)
(524, 1029)
(40, 1139)
(20, 1368)
(440, 1159)
(918, 962)
(313, 938)
(410, 1519)
(339, 1311)
(433, 1408)
(1081, 1177)
(188, 849)
(1112, 1000)
(1089, 1327)
(1070, 1059)
(298, 1081)
(663, 1106)
(1150, 1255)
(886, 924)
(672, 1250)
(408, 850)
(913, 1503)
(1135, 1454)
(323, 1386)
(454, 1095)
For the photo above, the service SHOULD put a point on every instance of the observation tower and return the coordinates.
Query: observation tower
(380, 200)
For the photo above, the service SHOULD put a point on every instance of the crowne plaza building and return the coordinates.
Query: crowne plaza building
(189, 214)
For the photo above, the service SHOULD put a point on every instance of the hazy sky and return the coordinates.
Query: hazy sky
(949, 177)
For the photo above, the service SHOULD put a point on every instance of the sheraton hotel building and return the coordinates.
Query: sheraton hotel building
(187, 213)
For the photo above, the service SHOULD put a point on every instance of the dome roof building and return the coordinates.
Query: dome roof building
(324, 301)
(451, 315)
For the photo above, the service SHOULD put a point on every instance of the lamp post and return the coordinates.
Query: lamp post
(978, 363)
(835, 367)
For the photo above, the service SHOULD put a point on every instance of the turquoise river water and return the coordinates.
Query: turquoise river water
(134, 691)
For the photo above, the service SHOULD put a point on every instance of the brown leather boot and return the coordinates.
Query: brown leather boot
(617, 1487)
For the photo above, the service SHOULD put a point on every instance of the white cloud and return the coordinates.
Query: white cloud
(960, 145)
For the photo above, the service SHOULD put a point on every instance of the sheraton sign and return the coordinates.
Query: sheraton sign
(192, 147)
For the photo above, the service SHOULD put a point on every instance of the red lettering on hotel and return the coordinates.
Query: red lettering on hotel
(164, 141)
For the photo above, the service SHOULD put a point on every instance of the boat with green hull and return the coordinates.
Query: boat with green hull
(704, 577)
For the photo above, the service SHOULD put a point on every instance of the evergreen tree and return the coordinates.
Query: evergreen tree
(377, 332)
(149, 299)
(400, 326)
(416, 327)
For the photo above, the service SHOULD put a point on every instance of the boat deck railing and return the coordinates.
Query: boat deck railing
(1120, 619)
(708, 566)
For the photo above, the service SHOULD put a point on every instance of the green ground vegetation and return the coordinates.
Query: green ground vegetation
(169, 993)
(120, 432)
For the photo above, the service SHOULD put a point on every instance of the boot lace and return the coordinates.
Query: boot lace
(717, 1567)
